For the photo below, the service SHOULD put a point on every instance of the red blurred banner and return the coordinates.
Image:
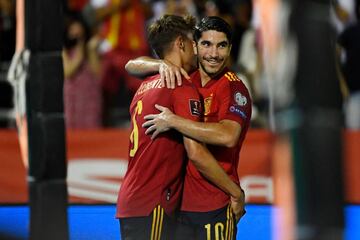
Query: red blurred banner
(97, 163)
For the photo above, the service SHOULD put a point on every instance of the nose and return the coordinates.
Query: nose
(213, 51)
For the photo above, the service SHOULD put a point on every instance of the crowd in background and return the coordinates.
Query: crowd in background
(100, 36)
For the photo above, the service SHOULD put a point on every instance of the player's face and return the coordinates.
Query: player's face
(213, 50)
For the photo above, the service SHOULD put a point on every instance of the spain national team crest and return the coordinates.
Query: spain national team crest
(240, 99)
(207, 104)
(195, 107)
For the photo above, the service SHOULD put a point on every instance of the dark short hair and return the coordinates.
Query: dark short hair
(212, 23)
(163, 32)
(76, 17)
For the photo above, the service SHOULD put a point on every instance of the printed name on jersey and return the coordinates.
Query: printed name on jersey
(149, 85)
(240, 99)
(237, 110)
(195, 107)
(232, 77)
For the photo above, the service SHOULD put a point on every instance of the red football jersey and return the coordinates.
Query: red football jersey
(156, 167)
(225, 97)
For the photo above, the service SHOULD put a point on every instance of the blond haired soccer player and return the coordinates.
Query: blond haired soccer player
(151, 191)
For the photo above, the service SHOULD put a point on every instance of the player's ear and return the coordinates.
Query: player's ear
(195, 48)
(179, 43)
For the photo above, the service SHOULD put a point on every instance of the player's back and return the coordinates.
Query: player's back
(155, 170)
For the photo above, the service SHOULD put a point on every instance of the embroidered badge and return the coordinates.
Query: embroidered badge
(195, 107)
(240, 99)
(207, 104)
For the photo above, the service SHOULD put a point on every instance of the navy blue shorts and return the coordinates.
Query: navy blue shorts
(213, 225)
(156, 226)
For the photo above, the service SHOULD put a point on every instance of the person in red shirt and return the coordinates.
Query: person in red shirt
(227, 113)
(151, 191)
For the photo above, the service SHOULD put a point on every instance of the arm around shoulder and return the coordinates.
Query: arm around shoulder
(143, 66)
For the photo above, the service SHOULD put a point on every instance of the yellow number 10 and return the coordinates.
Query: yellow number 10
(134, 136)
(219, 231)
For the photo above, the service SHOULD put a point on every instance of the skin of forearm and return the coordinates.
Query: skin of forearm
(143, 66)
(207, 165)
(210, 133)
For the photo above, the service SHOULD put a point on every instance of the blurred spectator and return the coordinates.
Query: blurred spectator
(180, 7)
(241, 10)
(121, 24)
(342, 14)
(7, 49)
(122, 28)
(221, 8)
(349, 40)
(176, 7)
(249, 64)
(7, 29)
(76, 5)
(82, 87)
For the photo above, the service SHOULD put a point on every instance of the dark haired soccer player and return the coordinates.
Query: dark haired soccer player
(227, 113)
(152, 187)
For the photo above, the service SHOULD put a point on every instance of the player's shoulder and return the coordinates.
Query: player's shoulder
(186, 85)
(186, 90)
(230, 77)
(232, 80)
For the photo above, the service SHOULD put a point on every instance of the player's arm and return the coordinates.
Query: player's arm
(169, 73)
(223, 133)
(207, 165)
(233, 112)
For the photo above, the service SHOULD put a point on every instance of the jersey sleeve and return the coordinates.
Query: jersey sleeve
(186, 100)
(235, 101)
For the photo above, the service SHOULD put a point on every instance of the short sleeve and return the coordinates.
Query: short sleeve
(235, 102)
(186, 101)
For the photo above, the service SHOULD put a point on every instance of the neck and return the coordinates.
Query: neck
(205, 78)
(174, 59)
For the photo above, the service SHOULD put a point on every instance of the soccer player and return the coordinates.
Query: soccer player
(152, 187)
(227, 113)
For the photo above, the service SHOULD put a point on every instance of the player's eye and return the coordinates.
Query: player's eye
(223, 45)
(205, 43)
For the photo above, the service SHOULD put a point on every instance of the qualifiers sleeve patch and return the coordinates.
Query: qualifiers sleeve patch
(195, 107)
(240, 99)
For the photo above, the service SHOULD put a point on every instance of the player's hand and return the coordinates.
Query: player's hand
(171, 74)
(158, 123)
(238, 206)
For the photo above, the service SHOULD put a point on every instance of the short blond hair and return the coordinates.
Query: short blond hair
(163, 32)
